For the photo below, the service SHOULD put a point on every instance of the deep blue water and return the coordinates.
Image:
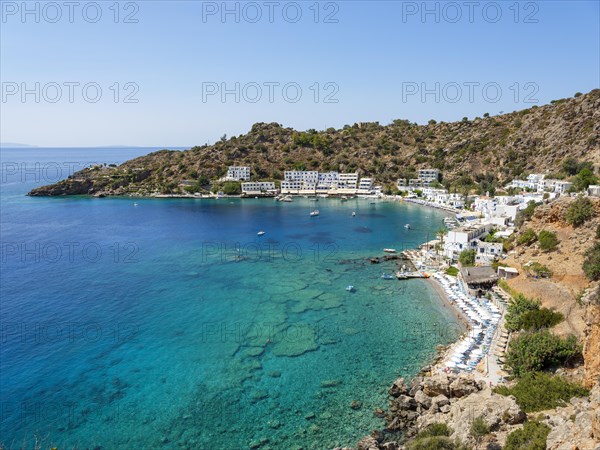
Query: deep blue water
(172, 324)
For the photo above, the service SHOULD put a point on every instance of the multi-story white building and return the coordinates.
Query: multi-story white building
(466, 237)
(327, 181)
(365, 185)
(348, 180)
(429, 175)
(299, 182)
(259, 187)
(497, 210)
(238, 173)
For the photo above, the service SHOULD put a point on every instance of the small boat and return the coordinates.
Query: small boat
(314, 213)
(387, 276)
(350, 288)
(135, 204)
(353, 213)
(344, 198)
(389, 250)
(407, 226)
(261, 233)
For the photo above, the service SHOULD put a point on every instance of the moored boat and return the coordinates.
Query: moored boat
(389, 250)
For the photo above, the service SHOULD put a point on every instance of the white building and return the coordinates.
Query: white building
(497, 210)
(594, 190)
(365, 185)
(327, 181)
(238, 173)
(258, 187)
(428, 176)
(299, 182)
(348, 180)
(467, 237)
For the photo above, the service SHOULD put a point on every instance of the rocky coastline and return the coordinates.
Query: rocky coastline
(457, 400)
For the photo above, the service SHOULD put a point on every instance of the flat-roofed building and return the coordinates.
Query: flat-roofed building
(348, 180)
(258, 187)
(429, 175)
(594, 190)
(365, 185)
(238, 173)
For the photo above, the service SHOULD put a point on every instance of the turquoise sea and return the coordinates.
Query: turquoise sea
(170, 324)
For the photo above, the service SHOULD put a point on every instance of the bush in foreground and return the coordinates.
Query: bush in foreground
(591, 264)
(538, 350)
(518, 306)
(524, 313)
(453, 271)
(479, 427)
(532, 436)
(580, 211)
(540, 318)
(435, 437)
(548, 241)
(539, 391)
(527, 238)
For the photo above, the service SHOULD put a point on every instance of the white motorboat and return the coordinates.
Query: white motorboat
(353, 213)
(389, 250)
(350, 288)
(407, 226)
(261, 233)
(314, 213)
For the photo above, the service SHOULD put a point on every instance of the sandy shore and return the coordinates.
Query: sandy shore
(459, 314)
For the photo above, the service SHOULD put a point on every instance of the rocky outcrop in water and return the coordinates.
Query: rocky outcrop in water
(455, 400)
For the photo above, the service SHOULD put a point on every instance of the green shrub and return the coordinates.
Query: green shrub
(435, 429)
(540, 269)
(531, 437)
(528, 237)
(453, 271)
(540, 391)
(541, 318)
(232, 188)
(538, 350)
(580, 211)
(435, 437)
(548, 240)
(591, 264)
(467, 258)
(525, 214)
(525, 314)
(515, 310)
(479, 427)
(433, 443)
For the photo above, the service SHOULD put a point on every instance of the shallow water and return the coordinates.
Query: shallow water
(172, 324)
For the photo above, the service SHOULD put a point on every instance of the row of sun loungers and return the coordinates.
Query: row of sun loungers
(483, 317)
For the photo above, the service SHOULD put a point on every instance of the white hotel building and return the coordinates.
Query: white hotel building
(312, 182)
(238, 173)
(259, 188)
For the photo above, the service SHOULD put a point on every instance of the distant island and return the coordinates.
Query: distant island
(15, 145)
(476, 155)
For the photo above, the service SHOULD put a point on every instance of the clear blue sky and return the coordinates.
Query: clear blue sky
(375, 53)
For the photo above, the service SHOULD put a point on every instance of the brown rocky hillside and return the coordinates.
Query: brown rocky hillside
(568, 290)
(473, 154)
